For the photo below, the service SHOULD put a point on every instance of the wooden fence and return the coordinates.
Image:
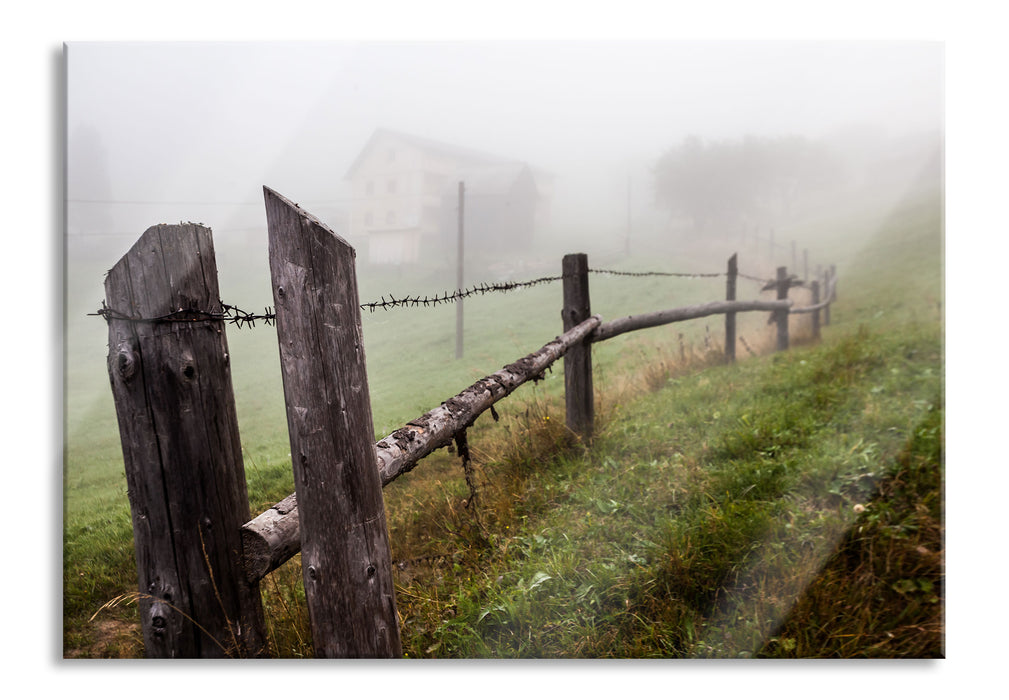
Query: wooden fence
(200, 556)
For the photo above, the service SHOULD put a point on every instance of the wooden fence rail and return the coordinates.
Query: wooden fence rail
(199, 555)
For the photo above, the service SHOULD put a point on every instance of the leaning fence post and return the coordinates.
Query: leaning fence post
(782, 286)
(578, 397)
(345, 559)
(182, 453)
(730, 317)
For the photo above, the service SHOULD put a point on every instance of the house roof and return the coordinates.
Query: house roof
(495, 179)
(465, 155)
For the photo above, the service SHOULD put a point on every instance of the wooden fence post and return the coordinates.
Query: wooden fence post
(578, 396)
(782, 287)
(346, 564)
(183, 456)
(814, 288)
(730, 317)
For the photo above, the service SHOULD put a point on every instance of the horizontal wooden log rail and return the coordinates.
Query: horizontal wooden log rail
(828, 300)
(273, 537)
(658, 318)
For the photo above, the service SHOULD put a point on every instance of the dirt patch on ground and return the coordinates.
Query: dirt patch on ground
(112, 639)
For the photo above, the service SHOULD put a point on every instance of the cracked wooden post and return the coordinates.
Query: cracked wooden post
(578, 398)
(345, 558)
(782, 286)
(730, 317)
(172, 387)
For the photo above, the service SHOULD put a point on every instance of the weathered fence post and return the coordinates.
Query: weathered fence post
(730, 317)
(578, 394)
(183, 457)
(782, 286)
(346, 564)
(814, 288)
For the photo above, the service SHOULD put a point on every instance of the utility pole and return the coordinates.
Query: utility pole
(627, 241)
(459, 274)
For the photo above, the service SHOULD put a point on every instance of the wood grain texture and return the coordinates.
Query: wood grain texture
(344, 542)
(171, 384)
(579, 400)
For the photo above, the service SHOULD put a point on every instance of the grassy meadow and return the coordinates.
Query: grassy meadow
(789, 505)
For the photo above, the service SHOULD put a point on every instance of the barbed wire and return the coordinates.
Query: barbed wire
(236, 316)
(228, 314)
(657, 274)
(448, 298)
(485, 288)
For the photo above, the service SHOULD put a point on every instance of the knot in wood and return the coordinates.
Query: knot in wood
(125, 362)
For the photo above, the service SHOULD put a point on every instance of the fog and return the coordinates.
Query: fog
(170, 132)
(167, 132)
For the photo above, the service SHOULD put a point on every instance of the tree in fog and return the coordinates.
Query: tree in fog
(726, 184)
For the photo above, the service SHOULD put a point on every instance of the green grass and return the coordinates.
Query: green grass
(773, 508)
(697, 523)
(690, 536)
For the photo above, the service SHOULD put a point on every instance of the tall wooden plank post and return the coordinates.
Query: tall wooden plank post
(782, 286)
(346, 564)
(579, 402)
(171, 382)
(730, 318)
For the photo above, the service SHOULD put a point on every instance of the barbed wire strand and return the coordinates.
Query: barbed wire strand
(236, 316)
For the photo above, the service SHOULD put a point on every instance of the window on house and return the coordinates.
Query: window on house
(368, 218)
(390, 217)
(392, 155)
(391, 186)
(369, 188)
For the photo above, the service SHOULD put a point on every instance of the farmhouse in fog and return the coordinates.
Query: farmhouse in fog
(404, 199)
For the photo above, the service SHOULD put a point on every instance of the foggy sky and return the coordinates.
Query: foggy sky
(201, 127)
